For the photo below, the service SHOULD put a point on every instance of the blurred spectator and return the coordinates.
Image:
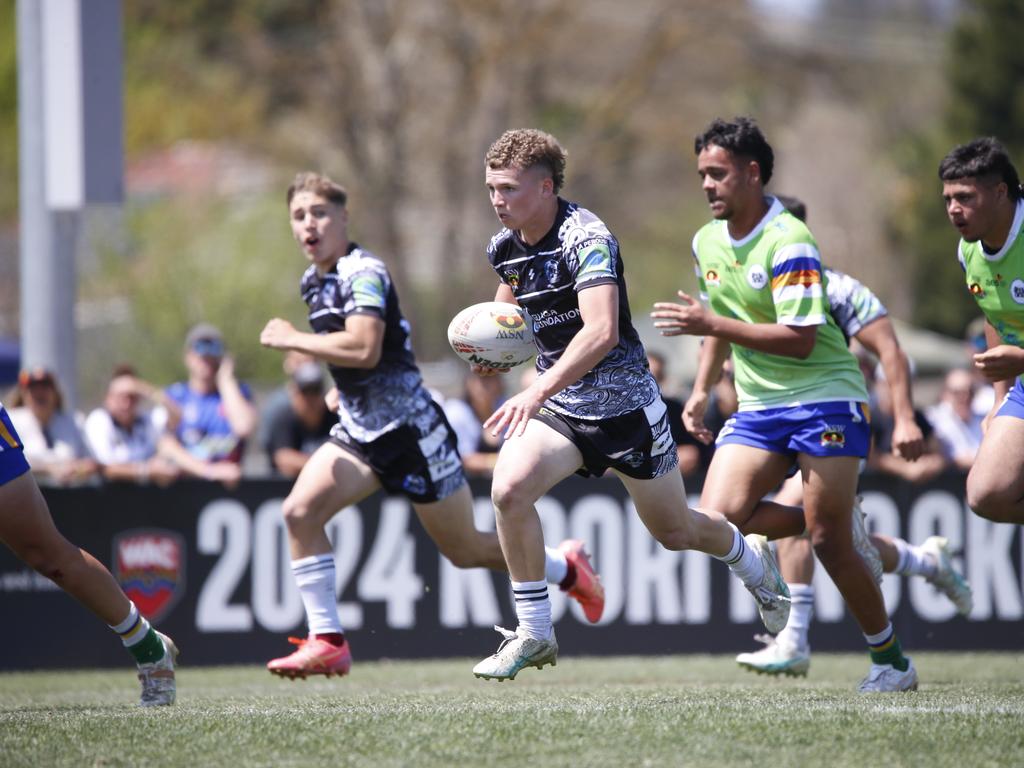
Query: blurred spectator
(279, 401)
(957, 426)
(216, 411)
(291, 435)
(481, 397)
(52, 438)
(688, 448)
(124, 438)
(931, 463)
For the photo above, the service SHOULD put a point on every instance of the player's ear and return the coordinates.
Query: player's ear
(753, 172)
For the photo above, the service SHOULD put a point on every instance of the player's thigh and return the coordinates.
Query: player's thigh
(830, 487)
(449, 521)
(660, 501)
(998, 469)
(739, 477)
(25, 520)
(332, 479)
(530, 464)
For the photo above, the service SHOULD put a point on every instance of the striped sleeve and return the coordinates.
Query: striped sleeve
(797, 285)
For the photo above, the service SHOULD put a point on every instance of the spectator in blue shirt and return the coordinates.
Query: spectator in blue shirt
(217, 414)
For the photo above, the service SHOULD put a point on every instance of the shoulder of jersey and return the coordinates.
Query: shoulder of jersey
(581, 224)
(788, 227)
(500, 238)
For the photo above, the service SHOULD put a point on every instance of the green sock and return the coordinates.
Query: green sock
(892, 655)
(149, 649)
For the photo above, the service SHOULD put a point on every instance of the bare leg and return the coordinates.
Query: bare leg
(830, 486)
(887, 551)
(995, 485)
(528, 466)
(795, 553)
(27, 528)
(331, 480)
(739, 478)
(450, 524)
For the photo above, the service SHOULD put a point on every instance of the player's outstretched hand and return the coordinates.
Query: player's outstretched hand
(513, 415)
(693, 417)
(689, 318)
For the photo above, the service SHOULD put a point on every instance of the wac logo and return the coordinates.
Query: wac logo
(510, 322)
(149, 564)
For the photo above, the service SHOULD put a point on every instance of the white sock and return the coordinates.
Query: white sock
(913, 562)
(800, 611)
(533, 609)
(743, 561)
(315, 579)
(556, 567)
(133, 629)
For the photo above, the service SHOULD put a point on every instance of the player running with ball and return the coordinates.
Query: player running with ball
(594, 406)
(390, 435)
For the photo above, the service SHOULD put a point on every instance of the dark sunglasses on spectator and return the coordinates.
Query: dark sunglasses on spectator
(208, 347)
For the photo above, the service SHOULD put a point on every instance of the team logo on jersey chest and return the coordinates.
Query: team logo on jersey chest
(512, 278)
(757, 277)
(976, 290)
(1017, 291)
(149, 564)
(712, 279)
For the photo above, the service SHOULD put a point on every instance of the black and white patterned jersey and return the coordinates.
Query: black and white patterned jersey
(577, 253)
(377, 400)
(851, 303)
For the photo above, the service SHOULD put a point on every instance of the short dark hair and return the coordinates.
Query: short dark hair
(743, 138)
(794, 205)
(985, 159)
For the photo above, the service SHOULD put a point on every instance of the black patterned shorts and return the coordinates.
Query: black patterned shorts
(418, 460)
(638, 444)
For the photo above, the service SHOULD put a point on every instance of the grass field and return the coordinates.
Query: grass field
(626, 711)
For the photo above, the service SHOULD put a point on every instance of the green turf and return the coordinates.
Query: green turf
(627, 711)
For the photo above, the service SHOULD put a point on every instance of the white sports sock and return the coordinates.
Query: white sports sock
(913, 562)
(133, 629)
(800, 612)
(743, 561)
(555, 565)
(533, 609)
(315, 579)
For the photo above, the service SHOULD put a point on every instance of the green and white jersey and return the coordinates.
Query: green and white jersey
(774, 275)
(996, 281)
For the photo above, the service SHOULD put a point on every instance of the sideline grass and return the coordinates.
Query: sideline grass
(624, 711)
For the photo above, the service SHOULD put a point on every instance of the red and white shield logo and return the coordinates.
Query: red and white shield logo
(149, 564)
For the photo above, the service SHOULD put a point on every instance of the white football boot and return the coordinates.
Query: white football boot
(157, 677)
(516, 652)
(772, 594)
(946, 579)
(885, 678)
(778, 657)
(862, 543)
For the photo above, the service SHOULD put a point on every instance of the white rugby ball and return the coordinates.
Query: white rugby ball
(494, 334)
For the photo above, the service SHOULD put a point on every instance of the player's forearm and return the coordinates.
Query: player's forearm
(773, 338)
(586, 350)
(341, 348)
(897, 375)
(710, 359)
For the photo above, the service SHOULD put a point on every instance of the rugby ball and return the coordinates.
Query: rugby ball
(493, 334)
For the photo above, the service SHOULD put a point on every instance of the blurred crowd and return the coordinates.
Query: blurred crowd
(205, 425)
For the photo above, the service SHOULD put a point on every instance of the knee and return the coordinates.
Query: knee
(299, 514)
(677, 539)
(510, 497)
(45, 557)
(828, 545)
(461, 555)
(988, 502)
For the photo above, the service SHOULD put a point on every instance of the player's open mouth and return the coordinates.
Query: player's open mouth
(312, 240)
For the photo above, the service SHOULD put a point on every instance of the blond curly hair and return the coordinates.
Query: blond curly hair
(525, 148)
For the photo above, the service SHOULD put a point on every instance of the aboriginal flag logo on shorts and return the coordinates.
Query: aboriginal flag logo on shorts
(833, 437)
(149, 564)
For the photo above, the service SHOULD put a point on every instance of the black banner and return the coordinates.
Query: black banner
(212, 568)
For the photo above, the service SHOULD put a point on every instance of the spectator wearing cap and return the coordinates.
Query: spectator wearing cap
(294, 434)
(216, 411)
(52, 437)
(123, 437)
